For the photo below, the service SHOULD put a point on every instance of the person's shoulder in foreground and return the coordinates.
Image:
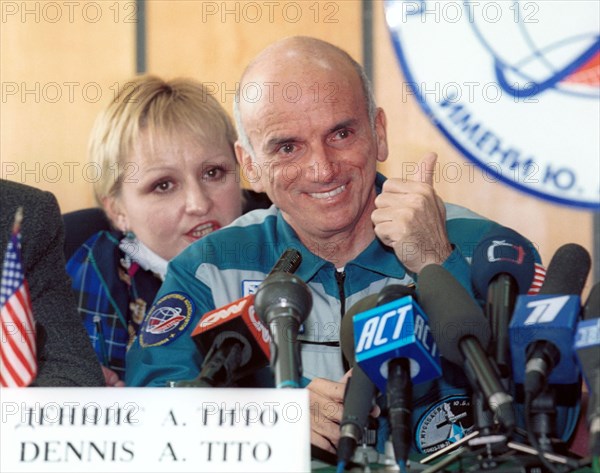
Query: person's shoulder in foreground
(65, 355)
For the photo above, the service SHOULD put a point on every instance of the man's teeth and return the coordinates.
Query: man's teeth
(325, 195)
(202, 230)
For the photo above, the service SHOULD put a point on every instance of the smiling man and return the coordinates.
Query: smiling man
(310, 136)
(315, 155)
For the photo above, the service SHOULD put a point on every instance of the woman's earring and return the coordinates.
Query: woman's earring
(129, 242)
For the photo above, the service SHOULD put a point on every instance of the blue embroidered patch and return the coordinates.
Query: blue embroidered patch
(166, 320)
(443, 424)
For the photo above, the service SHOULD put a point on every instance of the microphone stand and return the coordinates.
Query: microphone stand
(543, 419)
(487, 449)
(490, 440)
(540, 414)
(484, 423)
(218, 369)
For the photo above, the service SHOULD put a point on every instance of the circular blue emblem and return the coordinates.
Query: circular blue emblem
(515, 86)
(443, 424)
(166, 320)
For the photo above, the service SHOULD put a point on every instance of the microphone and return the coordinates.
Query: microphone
(232, 339)
(541, 334)
(568, 270)
(587, 350)
(395, 347)
(591, 308)
(360, 390)
(283, 302)
(543, 326)
(233, 342)
(503, 266)
(462, 334)
(288, 262)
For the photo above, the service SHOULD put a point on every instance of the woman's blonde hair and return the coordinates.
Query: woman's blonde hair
(161, 110)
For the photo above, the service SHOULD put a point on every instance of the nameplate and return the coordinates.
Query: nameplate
(154, 430)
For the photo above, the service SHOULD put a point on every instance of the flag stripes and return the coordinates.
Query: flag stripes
(18, 360)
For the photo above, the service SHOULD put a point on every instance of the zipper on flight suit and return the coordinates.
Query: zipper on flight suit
(340, 277)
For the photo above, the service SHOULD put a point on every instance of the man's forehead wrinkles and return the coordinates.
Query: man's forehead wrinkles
(278, 125)
(299, 129)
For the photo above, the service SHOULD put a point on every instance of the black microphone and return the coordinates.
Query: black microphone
(283, 302)
(591, 308)
(568, 270)
(232, 339)
(558, 300)
(462, 334)
(360, 390)
(399, 385)
(587, 349)
(503, 266)
(542, 331)
(288, 262)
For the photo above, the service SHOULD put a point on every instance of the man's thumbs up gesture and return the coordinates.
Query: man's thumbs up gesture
(411, 218)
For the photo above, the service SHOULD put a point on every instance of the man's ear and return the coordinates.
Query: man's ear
(250, 170)
(115, 213)
(381, 133)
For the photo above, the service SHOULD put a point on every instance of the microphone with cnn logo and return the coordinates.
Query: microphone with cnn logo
(232, 339)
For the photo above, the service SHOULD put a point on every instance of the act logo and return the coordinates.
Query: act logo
(514, 85)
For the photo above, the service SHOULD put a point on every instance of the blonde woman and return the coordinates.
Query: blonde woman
(169, 177)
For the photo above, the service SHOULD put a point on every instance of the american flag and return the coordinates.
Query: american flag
(538, 279)
(18, 362)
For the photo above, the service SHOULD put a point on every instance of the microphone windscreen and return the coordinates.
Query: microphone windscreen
(503, 250)
(591, 308)
(393, 292)
(567, 271)
(453, 313)
(347, 328)
(288, 262)
(282, 290)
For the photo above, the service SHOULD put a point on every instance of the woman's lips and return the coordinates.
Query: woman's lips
(203, 229)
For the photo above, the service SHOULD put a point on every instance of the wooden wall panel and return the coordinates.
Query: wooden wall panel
(411, 134)
(59, 64)
(57, 57)
(214, 41)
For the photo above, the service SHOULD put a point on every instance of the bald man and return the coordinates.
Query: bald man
(310, 136)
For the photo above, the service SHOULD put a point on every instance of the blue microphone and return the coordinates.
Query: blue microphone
(503, 266)
(396, 329)
(543, 326)
(587, 350)
(395, 348)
